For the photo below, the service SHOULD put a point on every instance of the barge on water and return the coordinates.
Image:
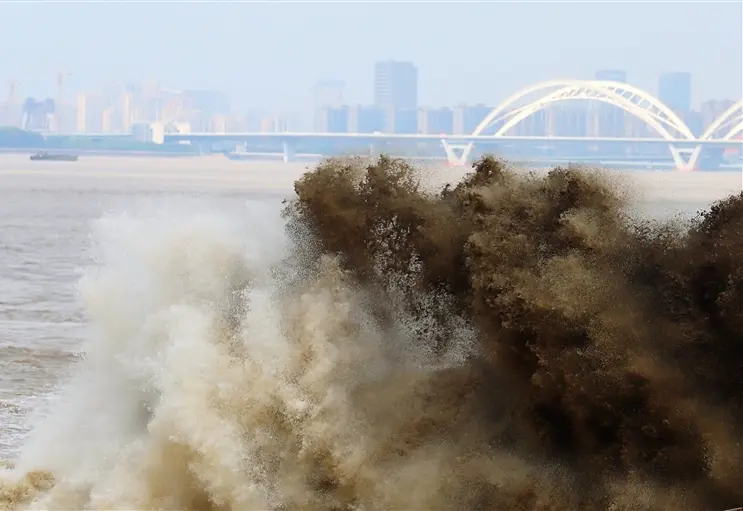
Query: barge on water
(44, 156)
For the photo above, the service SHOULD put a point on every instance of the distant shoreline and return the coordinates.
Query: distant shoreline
(127, 172)
(98, 152)
(630, 167)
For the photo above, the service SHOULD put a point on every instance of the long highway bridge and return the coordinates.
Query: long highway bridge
(492, 134)
(458, 148)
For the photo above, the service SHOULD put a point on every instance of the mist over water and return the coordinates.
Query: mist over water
(512, 342)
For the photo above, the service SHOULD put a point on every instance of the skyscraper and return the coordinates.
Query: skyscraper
(466, 118)
(396, 85)
(605, 120)
(90, 113)
(674, 90)
(82, 113)
(396, 94)
(328, 97)
(126, 112)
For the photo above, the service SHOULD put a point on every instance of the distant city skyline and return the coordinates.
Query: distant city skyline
(269, 56)
(674, 88)
(394, 109)
(334, 89)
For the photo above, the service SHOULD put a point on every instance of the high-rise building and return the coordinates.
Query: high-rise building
(328, 95)
(674, 90)
(126, 112)
(252, 121)
(694, 120)
(279, 122)
(11, 111)
(10, 114)
(402, 120)
(468, 117)
(395, 85)
(567, 120)
(602, 119)
(365, 119)
(533, 126)
(435, 121)
(332, 119)
(107, 122)
(90, 113)
(82, 113)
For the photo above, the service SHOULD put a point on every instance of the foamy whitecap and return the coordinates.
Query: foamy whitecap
(209, 383)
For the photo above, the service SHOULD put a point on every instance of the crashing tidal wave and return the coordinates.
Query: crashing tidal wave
(513, 342)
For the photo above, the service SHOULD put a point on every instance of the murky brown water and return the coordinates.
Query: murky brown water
(46, 213)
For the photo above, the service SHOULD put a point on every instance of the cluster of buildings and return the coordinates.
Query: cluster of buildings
(131, 108)
(395, 109)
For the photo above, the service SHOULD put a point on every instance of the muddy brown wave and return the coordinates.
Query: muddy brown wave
(610, 346)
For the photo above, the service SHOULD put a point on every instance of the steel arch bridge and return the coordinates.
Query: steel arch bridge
(632, 100)
(730, 124)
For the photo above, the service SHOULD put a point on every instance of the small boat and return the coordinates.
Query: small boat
(44, 156)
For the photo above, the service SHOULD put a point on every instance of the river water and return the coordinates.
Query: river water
(47, 221)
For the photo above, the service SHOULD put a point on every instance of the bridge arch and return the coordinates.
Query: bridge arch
(573, 93)
(631, 99)
(731, 120)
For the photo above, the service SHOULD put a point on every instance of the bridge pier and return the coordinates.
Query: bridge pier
(697, 158)
(451, 150)
(288, 151)
(686, 158)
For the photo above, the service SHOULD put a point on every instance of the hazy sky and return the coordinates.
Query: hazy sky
(268, 55)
